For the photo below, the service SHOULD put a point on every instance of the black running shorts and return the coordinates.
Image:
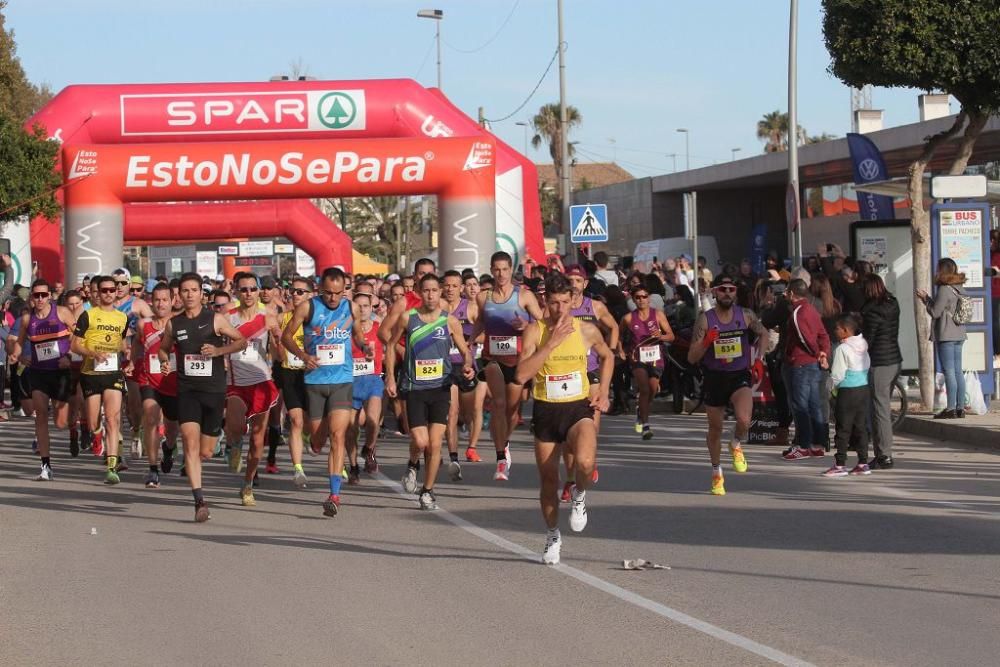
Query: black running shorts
(202, 407)
(551, 422)
(428, 406)
(53, 383)
(719, 386)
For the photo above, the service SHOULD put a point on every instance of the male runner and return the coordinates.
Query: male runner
(251, 392)
(99, 337)
(135, 309)
(290, 376)
(368, 389)
(74, 301)
(504, 317)
(554, 354)
(329, 321)
(159, 390)
(430, 333)
(466, 395)
(197, 336)
(270, 301)
(721, 343)
(48, 327)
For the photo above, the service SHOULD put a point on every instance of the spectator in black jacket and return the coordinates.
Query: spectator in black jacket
(880, 327)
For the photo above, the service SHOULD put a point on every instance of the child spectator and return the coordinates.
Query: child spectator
(849, 374)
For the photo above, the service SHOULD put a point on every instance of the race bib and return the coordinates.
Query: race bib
(649, 354)
(330, 355)
(197, 365)
(154, 364)
(108, 365)
(292, 361)
(564, 386)
(428, 369)
(47, 351)
(364, 367)
(249, 354)
(503, 345)
(728, 348)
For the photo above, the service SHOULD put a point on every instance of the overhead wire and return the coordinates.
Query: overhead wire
(531, 94)
(491, 39)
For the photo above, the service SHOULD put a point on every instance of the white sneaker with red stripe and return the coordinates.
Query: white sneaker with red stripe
(503, 471)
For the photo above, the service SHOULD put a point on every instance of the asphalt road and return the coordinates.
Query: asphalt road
(900, 567)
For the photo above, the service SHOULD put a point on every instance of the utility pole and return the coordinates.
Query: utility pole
(563, 125)
(795, 240)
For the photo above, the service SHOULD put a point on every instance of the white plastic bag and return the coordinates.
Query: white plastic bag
(975, 403)
(940, 393)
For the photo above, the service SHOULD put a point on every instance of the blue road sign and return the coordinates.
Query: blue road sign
(588, 223)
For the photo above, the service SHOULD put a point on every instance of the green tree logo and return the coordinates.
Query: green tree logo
(336, 110)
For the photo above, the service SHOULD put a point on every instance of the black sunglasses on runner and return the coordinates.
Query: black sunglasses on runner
(40, 295)
(248, 290)
(298, 291)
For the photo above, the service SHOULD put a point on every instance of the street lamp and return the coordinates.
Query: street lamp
(735, 151)
(687, 147)
(437, 15)
(673, 156)
(525, 126)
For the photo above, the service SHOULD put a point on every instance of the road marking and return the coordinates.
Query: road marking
(739, 641)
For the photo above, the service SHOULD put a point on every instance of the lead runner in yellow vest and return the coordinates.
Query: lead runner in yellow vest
(554, 354)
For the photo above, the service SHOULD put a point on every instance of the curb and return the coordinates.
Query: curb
(970, 435)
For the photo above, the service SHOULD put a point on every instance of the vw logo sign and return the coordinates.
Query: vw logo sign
(869, 170)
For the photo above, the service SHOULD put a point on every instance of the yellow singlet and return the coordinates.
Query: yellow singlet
(101, 331)
(563, 376)
(290, 361)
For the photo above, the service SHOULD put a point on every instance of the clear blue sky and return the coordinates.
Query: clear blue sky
(636, 69)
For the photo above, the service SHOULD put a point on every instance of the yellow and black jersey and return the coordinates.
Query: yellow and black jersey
(102, 331)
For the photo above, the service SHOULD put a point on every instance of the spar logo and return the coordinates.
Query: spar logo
(251, 112)
(84, 164)
(292, 168)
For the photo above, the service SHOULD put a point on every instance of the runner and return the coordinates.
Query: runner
(555, 354)
(196, 336)
(272, 303)
(290, 376)
(135, 309)
(505, 311)
(721, 343)
(251, 393)
(471, 403)
(100, 338)
(368, 390)
(48, 327)
(75, 303)
(430, 333)
(329, 322)
(586, 309)
(463, 391)
(158, 390)
(648, 329)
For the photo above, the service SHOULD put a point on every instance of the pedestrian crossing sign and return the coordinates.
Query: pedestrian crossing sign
(588, 223)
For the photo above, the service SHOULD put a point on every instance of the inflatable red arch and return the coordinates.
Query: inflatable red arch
(145, 114)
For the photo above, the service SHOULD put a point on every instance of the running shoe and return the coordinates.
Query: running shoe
(272, 469)
(246, 496)
(718, 485)
(331, 505)
(836, 471)
(220, 447)
(796, 454)
(503, 472)
(371, 463)
(428, 501)
(86, 438)
(506, 454)
(861, 469)
(472, 456)
(167, 458)
(594, 476)
(122, 464)
(455, 471)
(578, 512)
(647, 433)
(354, 475)
(45, 474)
(818, 451)
(739, 460)
(343, 473)
(566, 497)
(34, 447)
(97, 443)
(410, 480)
(236, 458)
(553, 545)
(152, 480)
(111, 477)
(365, 450)
(201, 513)
(74, 442)
(299, 479)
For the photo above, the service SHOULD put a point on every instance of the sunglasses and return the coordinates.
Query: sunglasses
(217, 306)
(40, 295)
(108, 290)
(123, 282)
(299, 291)
(135, 290)
(726, 288)
(248, 290)
(640, 296)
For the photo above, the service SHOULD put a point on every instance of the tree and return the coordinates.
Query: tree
(19, 98)
(951, 46)
(372, 224)
(772, 128)
(548, 129)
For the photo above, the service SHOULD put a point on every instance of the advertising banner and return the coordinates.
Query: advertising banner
(869, 167)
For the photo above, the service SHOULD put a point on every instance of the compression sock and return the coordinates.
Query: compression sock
(198, 495)
(501, 455)
(453, 456)
(335, 480)
(46, 461)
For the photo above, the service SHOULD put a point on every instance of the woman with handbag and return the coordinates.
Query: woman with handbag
(949, 308)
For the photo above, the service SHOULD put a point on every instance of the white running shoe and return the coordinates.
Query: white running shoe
(502, 474)
(410, 480)
(553, 545)
(455, 471)
(428, 501)
(45, 474)
(506, 453)
(299, 479)
(578, 512)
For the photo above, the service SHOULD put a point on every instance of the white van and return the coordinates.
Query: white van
(647, 251)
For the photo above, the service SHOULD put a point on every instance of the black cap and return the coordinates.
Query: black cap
(722, 279)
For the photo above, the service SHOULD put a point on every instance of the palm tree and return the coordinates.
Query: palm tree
(773, 130)
(548, 128)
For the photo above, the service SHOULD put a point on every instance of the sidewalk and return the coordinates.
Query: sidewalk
(976, 432)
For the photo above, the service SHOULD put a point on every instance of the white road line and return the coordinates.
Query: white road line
(663, 610)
